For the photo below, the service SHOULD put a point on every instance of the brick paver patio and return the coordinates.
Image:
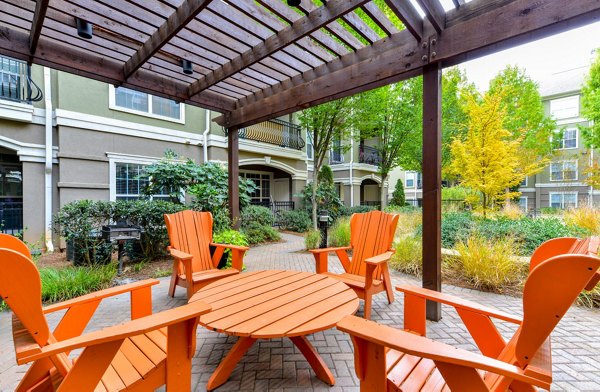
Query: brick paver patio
(276, 365)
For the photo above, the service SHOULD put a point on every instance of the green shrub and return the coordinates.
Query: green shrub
(325, 175)
(488, 264)
(551, 211)
(456, 226)
(457, 193)
(327, 200)
(295, 220)
(232, 237)
(257, 234)
(408, 257)
(149, 215)
(257, 214)
(348, 211)
(339, 233)
(66, 283)
(312, 239)
(398, 198)
(221, 220)
(532, 232)
(401, 209)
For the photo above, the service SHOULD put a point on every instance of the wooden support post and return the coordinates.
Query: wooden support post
(432, 180)
(233, 162)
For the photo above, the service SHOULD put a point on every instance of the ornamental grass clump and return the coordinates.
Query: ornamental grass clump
(512, 211)
(339, 233)
(408, 222)
(66, 283)
(408, 257)
(312, 239)
(488, 265)
(586, 218)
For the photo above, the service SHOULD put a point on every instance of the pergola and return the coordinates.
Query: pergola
(256, 60)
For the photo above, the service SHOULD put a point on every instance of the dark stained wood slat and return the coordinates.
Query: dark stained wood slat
(408, 15)
(458, 3)
(36, 26)
(335, 28)
(435, 13)
(361, 27)
(176, 21)
(297, 30)
(377, 15)
(396, 58)
(290, 16)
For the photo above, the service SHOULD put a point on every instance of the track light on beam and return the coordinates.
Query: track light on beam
(187, 67)
(84, 28)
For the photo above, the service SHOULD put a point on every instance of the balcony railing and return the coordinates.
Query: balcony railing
(11, 217)
(368, 155)
(277, 132)
(15, 81)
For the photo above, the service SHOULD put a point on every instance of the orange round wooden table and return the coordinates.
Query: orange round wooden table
(274, 304)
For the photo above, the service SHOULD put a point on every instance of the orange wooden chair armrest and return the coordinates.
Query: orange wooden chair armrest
(123, 331)
(442, 354)
(179, 255)
(458, 303)
(229, 246)
(327, 250)
(99, 295)
(380, 259)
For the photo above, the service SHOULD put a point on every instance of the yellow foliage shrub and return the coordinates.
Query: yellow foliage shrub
(408, 223)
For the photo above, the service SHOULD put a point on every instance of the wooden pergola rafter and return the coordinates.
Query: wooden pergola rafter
(255, 60)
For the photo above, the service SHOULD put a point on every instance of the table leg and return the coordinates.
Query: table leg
(314, 359)
(223, 371)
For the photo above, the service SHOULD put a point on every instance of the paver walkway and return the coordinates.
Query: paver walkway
(274, 365)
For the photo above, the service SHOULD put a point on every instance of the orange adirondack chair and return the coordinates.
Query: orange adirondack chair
(140, 355)
(391, 359)
(371, 237)
(190, 235)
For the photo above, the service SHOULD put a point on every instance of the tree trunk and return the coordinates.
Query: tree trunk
(314, 197)
(382, 194)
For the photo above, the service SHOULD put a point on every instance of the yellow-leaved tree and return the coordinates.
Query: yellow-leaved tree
(490, 159)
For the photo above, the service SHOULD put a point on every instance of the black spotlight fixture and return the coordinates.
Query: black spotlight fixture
(84, 29)
(187, 67)
(293, 3)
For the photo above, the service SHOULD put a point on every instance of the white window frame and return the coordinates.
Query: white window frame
(562, 163)
(524, 182)
(526, 198)
(413, 176)
(564, 99)
(310, 148)
(113, 159)
(562, 140)
(271, 179)
(562, 202)
(112, 105)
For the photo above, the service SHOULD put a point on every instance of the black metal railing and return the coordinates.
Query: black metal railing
(276, 207)
(278, 132)
(11, 217)
(15, 81)
(368, 155)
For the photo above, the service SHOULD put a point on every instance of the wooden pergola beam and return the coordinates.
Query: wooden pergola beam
(408, 15)
(513, 23)
(299, 29)
(435, 13)
(458, 3)
(14, 43)
(174, 23)
(36, 25)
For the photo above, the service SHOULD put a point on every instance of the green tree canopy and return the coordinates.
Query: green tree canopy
(590, 104)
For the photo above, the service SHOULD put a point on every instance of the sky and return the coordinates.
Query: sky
(541, 59)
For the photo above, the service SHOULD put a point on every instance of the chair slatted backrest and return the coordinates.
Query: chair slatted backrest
(191, 232)
(21, 289)
(371, 234)
(11, 242)
(551, 288)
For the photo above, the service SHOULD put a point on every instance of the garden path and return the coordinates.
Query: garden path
(275, 365)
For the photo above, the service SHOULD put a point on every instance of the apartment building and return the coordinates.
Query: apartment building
(66, 138)
(355, 170)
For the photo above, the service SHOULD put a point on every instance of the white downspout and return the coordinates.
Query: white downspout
(205, 136)
(48, 166)
(591, 199)
(351, 167)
